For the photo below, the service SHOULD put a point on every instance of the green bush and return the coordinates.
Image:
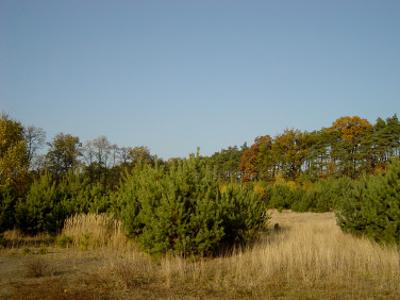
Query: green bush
(7, 209)
(41, 210)
(243, 213)
(182, 210)
(308, 201)
(282, 196)
(372, 207)
(73, 191)
(79, 195)
(323, 196)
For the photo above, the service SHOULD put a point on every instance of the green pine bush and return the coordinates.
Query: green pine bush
(79, 195)
(7, 209)
(281, 196)
(372, 208)
(73, 191)
(41, 210)
(323, 196)
(181, 209)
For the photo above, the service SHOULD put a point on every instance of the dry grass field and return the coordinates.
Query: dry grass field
(306, 256)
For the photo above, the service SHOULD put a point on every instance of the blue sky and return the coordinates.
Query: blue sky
(174, 75)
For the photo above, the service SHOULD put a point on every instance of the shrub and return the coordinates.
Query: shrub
(72, 189)
(82, 196)
(308, 201)
(372, 208)
(243, 213)
(283, 196)
(7, 209)
(323, 196)
(41, 210)
(3, 241)
(38, 267)
(182, 210)
(64, 241)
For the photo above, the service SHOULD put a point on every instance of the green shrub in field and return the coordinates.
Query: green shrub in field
(81, 196)
(323, 196)
(243, 214)
(72, 189)
(372, 207)
(182, 209)
(283, 196)
(41, 210)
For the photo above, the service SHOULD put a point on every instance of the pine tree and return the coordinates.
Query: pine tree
(181, 209)
(41, 210)
(372, 207)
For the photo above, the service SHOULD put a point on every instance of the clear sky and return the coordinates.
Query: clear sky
(174, 75)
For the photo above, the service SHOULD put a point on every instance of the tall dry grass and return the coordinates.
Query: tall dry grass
(90, 231)
(310, 250)
(306, 251)
(16, 239)
(307, 255)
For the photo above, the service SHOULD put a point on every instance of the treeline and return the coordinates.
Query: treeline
(197, 205)
(350, 147)
(39, 188)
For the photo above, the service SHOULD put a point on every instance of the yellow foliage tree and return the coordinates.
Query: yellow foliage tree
(13, 154)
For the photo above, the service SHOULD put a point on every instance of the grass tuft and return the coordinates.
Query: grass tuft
(38, 267)
(93, 231)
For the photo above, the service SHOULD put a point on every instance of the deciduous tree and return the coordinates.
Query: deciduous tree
(64, 153)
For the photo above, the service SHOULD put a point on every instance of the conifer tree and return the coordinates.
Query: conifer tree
(182, 209)
(41, 210)
(372, 207)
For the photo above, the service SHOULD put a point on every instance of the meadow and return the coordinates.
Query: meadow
(298, 256)
(199, 150)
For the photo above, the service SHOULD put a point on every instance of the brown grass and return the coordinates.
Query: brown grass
(305, 257)
(16, 239)
(95, 231)
(307, 254)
